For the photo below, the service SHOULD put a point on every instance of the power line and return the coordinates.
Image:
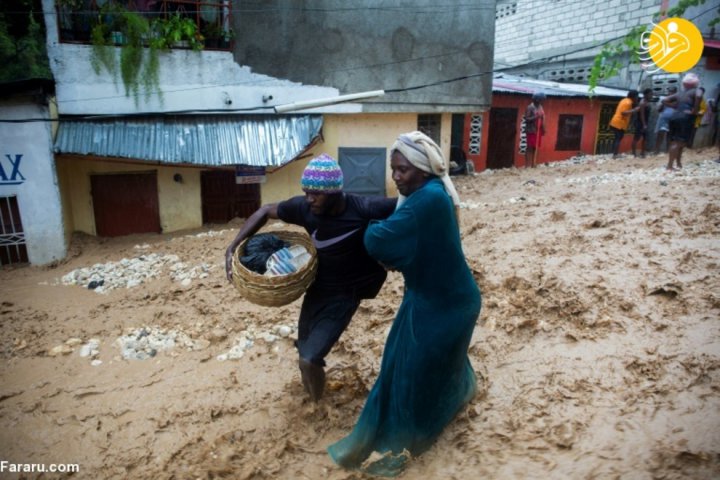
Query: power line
(390, 90)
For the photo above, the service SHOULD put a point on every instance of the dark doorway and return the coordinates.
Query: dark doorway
(12, 238)
(501, 137)
(223, 199)
(457, 133)
(125, 203)
(363, 170)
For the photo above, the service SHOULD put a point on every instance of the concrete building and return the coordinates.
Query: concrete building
(429, 57)
(214, 144)
(574, 123)
(558, 41)
(31, 227)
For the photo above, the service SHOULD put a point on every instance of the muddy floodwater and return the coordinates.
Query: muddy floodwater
(597, 349)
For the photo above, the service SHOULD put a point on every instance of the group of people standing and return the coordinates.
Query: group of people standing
(425, 377)
(679, 116)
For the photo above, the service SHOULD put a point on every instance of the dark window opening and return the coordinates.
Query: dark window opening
(429, 124)
(569, 132)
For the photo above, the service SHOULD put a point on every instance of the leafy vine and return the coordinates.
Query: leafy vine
(612, 56)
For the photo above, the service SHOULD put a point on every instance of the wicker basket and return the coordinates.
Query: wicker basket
(278, 290)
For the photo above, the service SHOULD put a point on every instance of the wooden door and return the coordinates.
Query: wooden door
(501, 137)
(125, 203)
(223, 199)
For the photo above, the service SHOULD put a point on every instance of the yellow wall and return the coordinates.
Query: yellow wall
(64, 175)
(363, 130)
(285, 182)
(179, 203)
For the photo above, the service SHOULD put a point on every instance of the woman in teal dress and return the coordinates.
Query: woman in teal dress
(425, 376)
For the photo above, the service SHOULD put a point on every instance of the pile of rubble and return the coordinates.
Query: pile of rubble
(91, 349)
(247, 339)
(131, 272)
(146, 342)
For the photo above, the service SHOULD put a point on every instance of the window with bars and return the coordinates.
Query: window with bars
(569, 132)
(207, 22)
(429, 124)
(12, 238)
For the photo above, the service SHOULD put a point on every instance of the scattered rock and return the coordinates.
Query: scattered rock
(133, 272)
(60, 350)
(218, 335)
(146, 342)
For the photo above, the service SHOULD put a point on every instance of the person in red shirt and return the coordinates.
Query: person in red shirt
(534, 127)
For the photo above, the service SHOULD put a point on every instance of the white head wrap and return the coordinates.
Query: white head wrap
(690, 80)
(424, 154)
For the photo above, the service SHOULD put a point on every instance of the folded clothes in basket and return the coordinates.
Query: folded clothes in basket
(287, 260)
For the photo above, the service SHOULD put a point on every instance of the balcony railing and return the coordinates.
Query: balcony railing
(212, 19)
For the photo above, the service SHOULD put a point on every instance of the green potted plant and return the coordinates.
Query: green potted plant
(177, 31)
(228, 35)
(117, 26)
(140, 42)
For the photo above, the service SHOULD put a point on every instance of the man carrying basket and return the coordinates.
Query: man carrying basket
(336, 222)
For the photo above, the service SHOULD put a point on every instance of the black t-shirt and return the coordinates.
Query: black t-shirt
(343, 263)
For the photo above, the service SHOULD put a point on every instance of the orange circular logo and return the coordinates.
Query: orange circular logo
(674, 45)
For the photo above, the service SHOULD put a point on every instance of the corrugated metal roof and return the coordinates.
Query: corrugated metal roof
(520, 85)
(259, 140)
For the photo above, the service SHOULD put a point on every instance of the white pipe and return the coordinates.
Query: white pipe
(327, 101)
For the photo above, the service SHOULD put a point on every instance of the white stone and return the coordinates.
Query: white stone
(284, 331)
(60, 350)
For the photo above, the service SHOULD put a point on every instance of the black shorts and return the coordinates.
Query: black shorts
(323, 318)
(640, 132)
(681, 126)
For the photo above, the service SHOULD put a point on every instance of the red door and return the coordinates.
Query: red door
(223, 199)
(125, 203)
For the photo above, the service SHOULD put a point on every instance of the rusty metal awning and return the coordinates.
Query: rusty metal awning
(210, 140)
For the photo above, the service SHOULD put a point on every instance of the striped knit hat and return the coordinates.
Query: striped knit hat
(322, 175)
